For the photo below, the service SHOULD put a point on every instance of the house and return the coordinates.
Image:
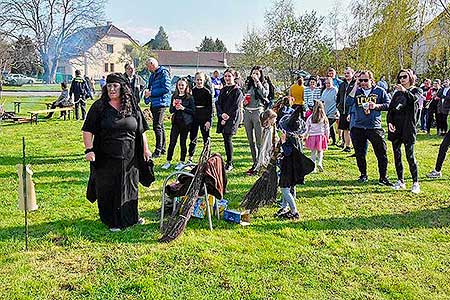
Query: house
(434, 37)
(183, 63)
(96, 51)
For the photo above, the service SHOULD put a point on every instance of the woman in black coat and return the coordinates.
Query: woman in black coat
(227, 105)
(402, 122)
(115, 141)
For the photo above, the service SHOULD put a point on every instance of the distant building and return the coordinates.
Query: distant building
(432, 38)
(95, 51)
(183, 63)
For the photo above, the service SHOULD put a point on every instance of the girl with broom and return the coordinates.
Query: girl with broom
(294, 164)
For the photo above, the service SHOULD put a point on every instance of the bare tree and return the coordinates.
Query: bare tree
(49, 23)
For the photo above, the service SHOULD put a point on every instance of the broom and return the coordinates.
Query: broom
(177, 222)
(264, 190)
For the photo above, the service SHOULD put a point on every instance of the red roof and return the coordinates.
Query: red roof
(194, 59)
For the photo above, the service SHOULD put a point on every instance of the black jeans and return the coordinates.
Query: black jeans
(409, 150)
(442, 152)
(228, 146)
(158, 128)
(432, 111)
(80, 102)
(196, 125)
(332, 133)
(178, 129)
(441, 122)
(360, 138)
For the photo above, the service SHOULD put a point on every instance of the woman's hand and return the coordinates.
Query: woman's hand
(391, 127)
(147, 154)
(255, 78)
(283, 137)
(400, 88)
(348, 118)
(207, 125)
(90, 156)
(225, 116)
(179, 107)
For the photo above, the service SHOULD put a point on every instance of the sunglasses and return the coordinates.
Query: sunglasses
(363, 80)
(403, 77)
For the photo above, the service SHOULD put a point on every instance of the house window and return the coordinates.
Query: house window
(106, 67)
(110, 48)
(111, 67)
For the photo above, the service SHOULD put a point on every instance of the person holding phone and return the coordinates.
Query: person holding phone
(402, 120)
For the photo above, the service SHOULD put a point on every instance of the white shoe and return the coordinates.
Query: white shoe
(114, 229)
(166, 165)
(399, 185)
(434, 174)
(415, 188)
(179, 166)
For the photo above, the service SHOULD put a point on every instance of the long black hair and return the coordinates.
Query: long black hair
(126, 96)
(250, 81)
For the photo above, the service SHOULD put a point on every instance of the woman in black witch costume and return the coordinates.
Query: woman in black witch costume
(114, 138)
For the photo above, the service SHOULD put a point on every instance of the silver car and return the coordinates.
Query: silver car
(18, 79)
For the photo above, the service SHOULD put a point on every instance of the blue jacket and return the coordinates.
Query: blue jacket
(159, 84)
(358, 118)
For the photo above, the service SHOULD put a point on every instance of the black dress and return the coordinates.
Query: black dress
(115, 167)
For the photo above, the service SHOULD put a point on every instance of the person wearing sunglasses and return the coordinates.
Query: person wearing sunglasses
(366, 103)
(402, 120)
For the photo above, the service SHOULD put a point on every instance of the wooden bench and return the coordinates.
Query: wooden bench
(34, 114)
(18, 103)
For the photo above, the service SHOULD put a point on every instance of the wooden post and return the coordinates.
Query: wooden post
(24, 177)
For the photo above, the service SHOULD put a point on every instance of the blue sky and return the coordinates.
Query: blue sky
(188, 21)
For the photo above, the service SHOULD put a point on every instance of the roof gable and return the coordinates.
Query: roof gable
(83, 40)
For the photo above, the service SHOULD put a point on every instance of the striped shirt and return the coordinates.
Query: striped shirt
(310, 96)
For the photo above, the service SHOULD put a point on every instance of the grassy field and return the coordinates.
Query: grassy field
(353, 241)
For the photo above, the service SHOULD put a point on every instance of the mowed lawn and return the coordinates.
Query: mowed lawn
(353, 241)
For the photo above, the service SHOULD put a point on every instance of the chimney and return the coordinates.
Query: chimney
(109, 23)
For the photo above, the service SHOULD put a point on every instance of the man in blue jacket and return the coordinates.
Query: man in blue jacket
(158, 94)
(366, 103)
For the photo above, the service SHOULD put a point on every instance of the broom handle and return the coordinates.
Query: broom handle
(24, 179)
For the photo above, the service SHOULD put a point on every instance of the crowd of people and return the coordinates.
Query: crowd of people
(353, 105)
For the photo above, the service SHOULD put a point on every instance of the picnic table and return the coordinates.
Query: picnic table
(34, 114)
(18, 103)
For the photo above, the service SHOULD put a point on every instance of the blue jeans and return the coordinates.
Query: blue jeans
(289, 199)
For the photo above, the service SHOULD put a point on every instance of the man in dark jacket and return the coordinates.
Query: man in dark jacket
(344, 89)
(365, 106)
(136, 82)
(158, 94)
(80, 90)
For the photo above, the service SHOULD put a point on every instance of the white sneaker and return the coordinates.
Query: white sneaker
(114, 229)
(179, 166)
(415, 188)
(166, 165)
(434, 174)
(399, 185)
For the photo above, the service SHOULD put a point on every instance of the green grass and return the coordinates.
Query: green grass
(353, 241)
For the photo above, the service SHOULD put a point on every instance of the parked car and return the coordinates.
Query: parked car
(18, 79)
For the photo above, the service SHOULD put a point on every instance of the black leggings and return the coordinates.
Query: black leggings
(409, 150)
(194, 134)
(441, 122)
(228, 146)
(332, 133)
(442, 152)
(182, 131)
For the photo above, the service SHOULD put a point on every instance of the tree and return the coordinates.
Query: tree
(160, 42)
(138, 55)
(24, 57)
(288, 42)
(209, 45)
(49, 23)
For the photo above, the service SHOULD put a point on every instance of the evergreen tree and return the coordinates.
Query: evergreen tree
(160, 42)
